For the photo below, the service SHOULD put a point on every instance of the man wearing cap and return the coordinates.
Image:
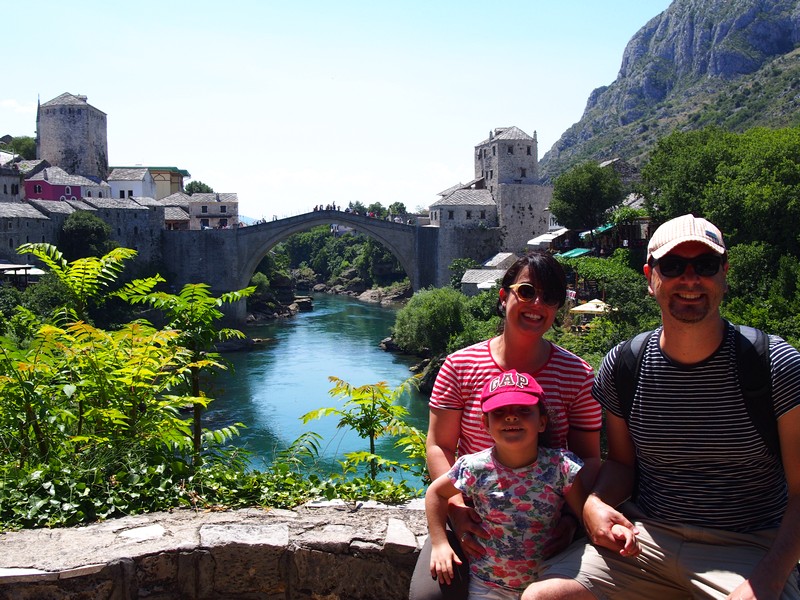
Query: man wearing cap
(715, 511)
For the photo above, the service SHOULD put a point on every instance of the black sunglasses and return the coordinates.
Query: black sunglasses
(705, 265)
(527, 292)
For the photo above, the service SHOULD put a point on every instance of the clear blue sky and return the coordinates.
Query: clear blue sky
(297, 103)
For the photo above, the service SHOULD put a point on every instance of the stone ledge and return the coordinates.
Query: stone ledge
(334, 551)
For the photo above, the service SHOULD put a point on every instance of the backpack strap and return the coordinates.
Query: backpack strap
(626, 370)
(755, 380)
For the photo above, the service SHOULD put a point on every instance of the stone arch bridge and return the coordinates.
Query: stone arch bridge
(227, 258)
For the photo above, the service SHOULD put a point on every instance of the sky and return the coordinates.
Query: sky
(296, 103)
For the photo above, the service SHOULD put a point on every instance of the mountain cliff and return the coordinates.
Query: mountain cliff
(730, 63)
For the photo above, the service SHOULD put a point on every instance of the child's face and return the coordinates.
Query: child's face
(515, 424)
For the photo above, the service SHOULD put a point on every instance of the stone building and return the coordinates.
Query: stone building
(73, 135)
(213, 210)
(127, 182)
(54, 183)
(502, 208)
(12, 184)
(167, 180)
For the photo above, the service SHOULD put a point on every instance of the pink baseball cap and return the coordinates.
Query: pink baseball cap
(510, 388)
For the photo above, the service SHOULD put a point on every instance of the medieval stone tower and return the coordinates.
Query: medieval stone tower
(508, 163)
(73, 135)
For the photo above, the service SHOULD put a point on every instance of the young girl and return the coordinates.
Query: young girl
(517, 487)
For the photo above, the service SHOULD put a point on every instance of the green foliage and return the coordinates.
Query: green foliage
(458, 267)
(84, 234)
(84, 279)
(429, 319)
(397, 208)
(372, 412)
(583, 196)
(24, 146)
(198, 187)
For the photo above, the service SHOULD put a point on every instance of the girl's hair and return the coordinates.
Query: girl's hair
(546, 275)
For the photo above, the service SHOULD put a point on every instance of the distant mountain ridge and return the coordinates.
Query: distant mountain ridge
(730, 63)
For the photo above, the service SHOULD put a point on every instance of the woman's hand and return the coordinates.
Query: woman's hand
(467, 526)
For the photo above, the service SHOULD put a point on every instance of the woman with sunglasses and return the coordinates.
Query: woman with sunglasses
(531, 292)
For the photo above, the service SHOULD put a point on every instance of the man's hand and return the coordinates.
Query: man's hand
(600, 520)
(467, 526)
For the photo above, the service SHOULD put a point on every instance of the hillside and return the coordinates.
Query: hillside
(729, 63)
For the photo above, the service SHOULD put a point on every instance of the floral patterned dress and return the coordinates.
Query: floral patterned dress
(520, 508)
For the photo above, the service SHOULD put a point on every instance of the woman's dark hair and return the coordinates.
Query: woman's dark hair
(546, 274)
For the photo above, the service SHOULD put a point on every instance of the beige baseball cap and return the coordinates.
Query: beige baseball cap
(686, 228)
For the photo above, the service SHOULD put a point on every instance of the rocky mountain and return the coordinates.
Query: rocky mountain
(729, 63)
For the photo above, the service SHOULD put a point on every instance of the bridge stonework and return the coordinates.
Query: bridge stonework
(227, 258)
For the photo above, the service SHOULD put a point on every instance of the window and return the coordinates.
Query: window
(523, 172)
(529, 151)
(483, 214)
(510, 150)
(223, 222)
(203, 223)
(88, 193)
(223, 209)
(130, 193)
(450, 215)
(37, 189)
(67, 190)
(99, 194)
(494, 150)
(469, 215)
(491, 173)
(122, 193)
(5, 188)
(204, 209)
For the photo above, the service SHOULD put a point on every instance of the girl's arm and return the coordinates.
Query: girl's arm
(442, 555)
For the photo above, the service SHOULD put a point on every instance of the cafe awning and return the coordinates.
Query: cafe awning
(593, 307)
(597, 230)
(575, 252)
(547, 238)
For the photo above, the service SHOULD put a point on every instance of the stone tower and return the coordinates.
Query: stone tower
(508, 164)
(73, 135)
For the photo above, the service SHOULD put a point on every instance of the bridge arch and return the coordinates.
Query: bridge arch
(398, 238)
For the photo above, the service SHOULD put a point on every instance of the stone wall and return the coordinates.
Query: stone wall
(332, 551)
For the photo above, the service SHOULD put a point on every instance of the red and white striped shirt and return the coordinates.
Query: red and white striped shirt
(566, 380)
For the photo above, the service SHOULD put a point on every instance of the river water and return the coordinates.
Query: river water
(271, 387)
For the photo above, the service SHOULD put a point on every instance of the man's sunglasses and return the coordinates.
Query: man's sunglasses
(705, 265)
(527, 292)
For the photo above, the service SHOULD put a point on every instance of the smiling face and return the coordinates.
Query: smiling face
(516, 426)
(534, 317)
(689, 297)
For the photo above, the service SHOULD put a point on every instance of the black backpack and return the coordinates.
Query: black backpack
(753, 362)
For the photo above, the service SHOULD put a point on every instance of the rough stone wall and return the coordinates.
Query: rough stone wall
(523, 214)
(475, 243)
(336, 551)
(75, 138)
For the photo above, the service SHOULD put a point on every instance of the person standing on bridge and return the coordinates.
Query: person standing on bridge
(531, 292)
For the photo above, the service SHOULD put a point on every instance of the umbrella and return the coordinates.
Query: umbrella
(593, 307)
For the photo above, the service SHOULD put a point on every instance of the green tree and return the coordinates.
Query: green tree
(371, 411)
(85, 280)
(358, 207)
(194, 313)
(458, 267)
(397, 208)
(24, 146)
(198, 187)
(378, 209)
(83, 234)
(429, 319)
(583, 196)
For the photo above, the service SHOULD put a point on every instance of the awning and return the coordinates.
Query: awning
(575, 252)
(548, 237)
(593, 307)
(597, 230)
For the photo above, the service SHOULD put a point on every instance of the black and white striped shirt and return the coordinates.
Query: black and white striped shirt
(700, 459)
